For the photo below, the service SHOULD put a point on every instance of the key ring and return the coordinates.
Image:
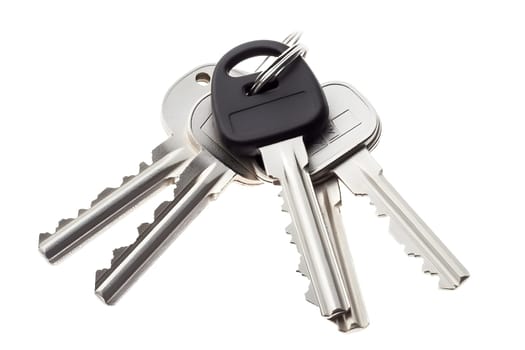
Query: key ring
(291, 39)
(277, 67)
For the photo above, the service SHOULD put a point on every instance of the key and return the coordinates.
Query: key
(206, 176)
(354, 119)
(203, 178)
(354, 314)
(273, 124)
(364, 176)
(169, 158)
(329, 198)
(338, 154)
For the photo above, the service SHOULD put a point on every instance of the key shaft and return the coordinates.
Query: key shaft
(354, 314)
(203, 177)
(107, 209)
(364, 176)
(286, 161)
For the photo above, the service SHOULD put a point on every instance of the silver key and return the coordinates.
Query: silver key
(286, 162)
(351, 314)
(169, 158)
(362, 175)
(212, 169)
(203, 179)
(354, 120)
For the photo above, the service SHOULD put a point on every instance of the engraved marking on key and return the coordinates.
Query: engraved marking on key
(351, 128)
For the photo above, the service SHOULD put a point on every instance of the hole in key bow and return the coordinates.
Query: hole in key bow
(203, 78)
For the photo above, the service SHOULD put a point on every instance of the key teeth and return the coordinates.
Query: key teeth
(290, 230)
(427, 267)
(379, 211)
(106, 192)
(43, 236)
(62, 223)
(310, 295)
(117, 253)
(126, 179)
(284, 207)
(142, 228)
(302, 268)
(99, 274)
(160, 209)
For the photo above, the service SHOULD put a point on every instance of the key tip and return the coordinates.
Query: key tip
(100, 295)
(451, 286)
(347, 323)
(43, 249)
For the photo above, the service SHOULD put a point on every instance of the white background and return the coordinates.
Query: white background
(80, 94)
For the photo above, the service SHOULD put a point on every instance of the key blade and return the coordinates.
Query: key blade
(364, 176)
(354, 314)
(202, 180)
(286, 161)
(168, 158)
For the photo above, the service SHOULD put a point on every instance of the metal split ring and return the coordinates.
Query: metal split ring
(292, 39)
(278, 66)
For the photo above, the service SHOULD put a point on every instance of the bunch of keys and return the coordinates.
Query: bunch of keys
(279, 126)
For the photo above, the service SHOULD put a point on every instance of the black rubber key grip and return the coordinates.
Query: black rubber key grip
(293, 105)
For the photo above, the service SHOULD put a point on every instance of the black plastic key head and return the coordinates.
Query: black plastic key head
(292, 105)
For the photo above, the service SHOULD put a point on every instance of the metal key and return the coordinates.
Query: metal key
(273, 124)
(210, 171)
(354, 315)
(169, 158)
(364, 176)
(351, 314)
(355, 167)
(355, 120)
